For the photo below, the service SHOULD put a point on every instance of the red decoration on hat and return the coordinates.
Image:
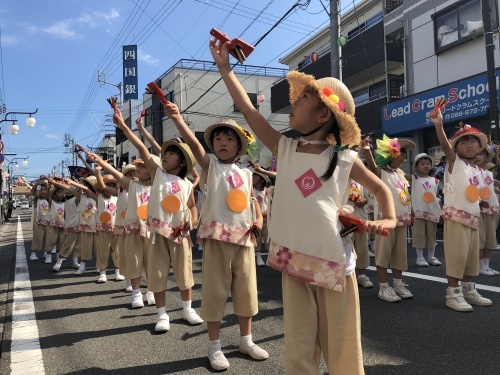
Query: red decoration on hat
(313, 57)
(327, 91)
(465, 128)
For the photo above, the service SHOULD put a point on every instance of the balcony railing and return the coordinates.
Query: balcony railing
(390, 5)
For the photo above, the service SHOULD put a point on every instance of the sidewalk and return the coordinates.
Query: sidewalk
(7, 251)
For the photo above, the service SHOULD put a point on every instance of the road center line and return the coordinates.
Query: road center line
(440, 279)
(26, 355)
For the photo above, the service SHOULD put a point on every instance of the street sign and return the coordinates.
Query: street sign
(1, 146)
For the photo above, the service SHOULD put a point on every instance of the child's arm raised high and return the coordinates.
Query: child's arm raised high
(260, 126)
(120, 177)
(437, 118)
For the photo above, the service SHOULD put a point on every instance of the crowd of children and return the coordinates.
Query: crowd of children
(142, 216)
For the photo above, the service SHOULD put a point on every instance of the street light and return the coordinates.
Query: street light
(14, 128)
(24, 163)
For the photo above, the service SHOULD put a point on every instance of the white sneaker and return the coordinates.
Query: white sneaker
(80, 271)
(137, 301)
(33, 256)
(53, 251)
(388, 294)
(495, 273)
(218, 361)
(364, 281)
(371, 254)
(76, 265)
(486, 272)
(472, 296)
(48, 259)
(150, 296)
(434, 261)
(421, 262)
(57, 266)
(102, 278)
(455, 300)
(400, 290)
(118, 276)
(254, 351)
(129, 288)
(191, 316)
(162, 324)
(260, 261)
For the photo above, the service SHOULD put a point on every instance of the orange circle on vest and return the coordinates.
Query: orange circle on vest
(142, 212)
(237, 200)
(428, 197)
(171, 204)
(123, 213)
(472, 193)
(485, 193)
(105, 217)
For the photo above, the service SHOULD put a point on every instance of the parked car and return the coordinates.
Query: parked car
(25, 205)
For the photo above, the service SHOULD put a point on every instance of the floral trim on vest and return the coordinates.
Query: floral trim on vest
(140, 228)
(119, 230)
(491, 210)
(162, 228)
(72, 230)
(105, 227)
(226, 233)
(301, 266)
(460, 216)
(403, 220)
(87, 228)
(426, 216)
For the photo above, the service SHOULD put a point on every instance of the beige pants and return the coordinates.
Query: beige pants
(54, 236)
(136, 254)
(86, 245)
(423, 234)
(263, 235)
(120, 242)
(106, 243)
(461, 250)
(71, 245)
(38, 242)
(163, 254)
(390, 251)
(228, 269)
(360, 241)
(319, 320)
(487, 232)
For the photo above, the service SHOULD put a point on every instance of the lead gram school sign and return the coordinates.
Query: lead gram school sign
(466, 99)
(130, 80)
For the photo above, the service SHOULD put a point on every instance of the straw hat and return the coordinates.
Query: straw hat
(266, 178)
(155, 158)
(489, 153)
(108, 178)
(336, 96)
(92, 180)
(245, 136)
(465, 131)
(128, 168)
(186, 151)
(423, 155)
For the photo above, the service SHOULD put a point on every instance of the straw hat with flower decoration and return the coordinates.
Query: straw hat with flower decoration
(389, 149)
(466, 130)
(92, 180)
(128, 168)
(186, 151)
(337, 97)
(246, 137)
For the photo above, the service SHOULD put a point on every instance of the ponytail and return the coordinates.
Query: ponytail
(333, 161)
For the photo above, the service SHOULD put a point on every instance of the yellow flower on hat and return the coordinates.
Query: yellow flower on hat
(249, 136)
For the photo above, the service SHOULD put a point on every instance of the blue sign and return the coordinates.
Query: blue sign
(467, 98)
(130, 80)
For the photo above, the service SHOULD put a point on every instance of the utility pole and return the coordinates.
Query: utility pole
(490, 64)
(101, 78)
(334, 37)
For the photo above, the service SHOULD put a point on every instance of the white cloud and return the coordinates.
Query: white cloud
(147, 58)
(10, 40)
(52, 136)
(63, 29)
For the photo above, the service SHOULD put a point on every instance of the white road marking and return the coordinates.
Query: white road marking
(26, 355)
(440, 279)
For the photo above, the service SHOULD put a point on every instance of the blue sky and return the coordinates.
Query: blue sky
(51, 50)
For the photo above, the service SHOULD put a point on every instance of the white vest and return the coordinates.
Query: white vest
(42, 212)
(398, 185)
(419, 186)
(71, 216)
(138, 195)
(121, 210)
(88, 210)
(106, 206)
(489, 206)
(56, 214)
(355, 189)
(305, 209)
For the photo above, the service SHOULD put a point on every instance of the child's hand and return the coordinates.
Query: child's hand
(118, 118)
(378, 226)
(361, 203)
(139, 122)
(97, 168)
(171, 110)
(436, 116)
(365, 144)
(220, 53)
(93, 157)
(257, 168)
(259, 223)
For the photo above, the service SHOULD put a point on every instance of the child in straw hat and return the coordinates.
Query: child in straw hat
(55, 228)
(489, 211)
(320, 294)
(229, 214)
(462, 189)
(171, 212)
(41, 213)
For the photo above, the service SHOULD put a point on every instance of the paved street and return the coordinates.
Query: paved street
(89, 328)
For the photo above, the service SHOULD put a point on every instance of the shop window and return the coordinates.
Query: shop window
(461, 22)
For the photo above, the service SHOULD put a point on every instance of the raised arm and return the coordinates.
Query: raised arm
(141, 147)
(366, 151)
(86, 164)
(437, 118)
(148, 137)
(85, 189)
(108, 168)
(258, 168)
(196, 177)
(199, 153)
(260, 126)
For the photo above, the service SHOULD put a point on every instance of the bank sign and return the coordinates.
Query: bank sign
(467, 98)
(130, 79)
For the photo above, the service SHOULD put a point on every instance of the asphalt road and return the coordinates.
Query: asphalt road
(90, 328)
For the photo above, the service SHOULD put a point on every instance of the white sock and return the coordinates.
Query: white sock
(117, 272)
(102, 272)
(59, 261)
(398, 282)
(465, 284)
(161, 311)
(486, 262)
(186, 305)
(214, 346)
(75, 260)
(383, 284)
(481, 264)
(420, 253)
(136, 291)
(430, 253)
(82, 264)
(258, 254)
(246, 340)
